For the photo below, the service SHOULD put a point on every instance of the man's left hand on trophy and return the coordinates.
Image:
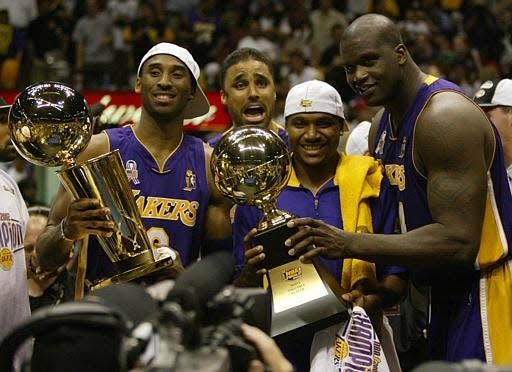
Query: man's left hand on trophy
(251, 275)
(87, 216)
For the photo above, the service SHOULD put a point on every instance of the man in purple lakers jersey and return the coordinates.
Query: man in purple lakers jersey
(168, 171)
(445, 171)
(248, 91)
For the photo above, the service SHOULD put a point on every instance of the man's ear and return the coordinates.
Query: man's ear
(223, 97)
(137, 87)
(401, 54)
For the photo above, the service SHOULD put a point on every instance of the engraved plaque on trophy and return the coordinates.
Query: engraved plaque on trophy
(251, 165)
(50, 126)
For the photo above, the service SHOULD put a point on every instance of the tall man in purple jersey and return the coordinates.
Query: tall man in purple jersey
(168, 171)
(445, 171)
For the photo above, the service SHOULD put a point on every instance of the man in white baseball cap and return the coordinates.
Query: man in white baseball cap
(167, 170)
(496, 100)
(315, 96)
(198, 105)
(324, 184)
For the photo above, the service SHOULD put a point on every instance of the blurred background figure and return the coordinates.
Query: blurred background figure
(93, 35)
(357, 141)
(18, 168)
(28, 189)
(48, 38)
(11, 51)
(45, 288)
(496, 100)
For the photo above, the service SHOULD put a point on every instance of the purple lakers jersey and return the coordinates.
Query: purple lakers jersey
(456, 320)
(172, 201)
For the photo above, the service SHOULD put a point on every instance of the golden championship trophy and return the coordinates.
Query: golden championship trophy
(51, 125)
(251, 165)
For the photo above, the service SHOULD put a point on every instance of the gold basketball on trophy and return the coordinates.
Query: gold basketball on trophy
(50, 124)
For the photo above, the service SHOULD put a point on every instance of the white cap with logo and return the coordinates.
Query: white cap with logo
(491, 94)
(314, 96)
(198, 105)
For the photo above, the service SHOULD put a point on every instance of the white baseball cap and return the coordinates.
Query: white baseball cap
(198, 105)
(357, 142)
(314, 96)
(491, 94)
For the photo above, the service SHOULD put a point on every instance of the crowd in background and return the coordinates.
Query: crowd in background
(95, 44)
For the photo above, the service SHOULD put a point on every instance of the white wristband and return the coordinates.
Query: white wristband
(62, 235)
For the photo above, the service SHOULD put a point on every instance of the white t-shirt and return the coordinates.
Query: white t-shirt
(14, 302)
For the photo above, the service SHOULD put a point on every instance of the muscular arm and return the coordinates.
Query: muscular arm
(453, 148)
(51, 249)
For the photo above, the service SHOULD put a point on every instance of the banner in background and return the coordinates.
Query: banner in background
(124, 108)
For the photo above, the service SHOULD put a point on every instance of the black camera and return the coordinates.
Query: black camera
(215, 343)
(192, 324)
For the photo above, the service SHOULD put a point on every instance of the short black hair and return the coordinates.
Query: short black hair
(243, 54)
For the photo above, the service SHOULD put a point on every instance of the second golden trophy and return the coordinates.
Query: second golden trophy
(251, 165)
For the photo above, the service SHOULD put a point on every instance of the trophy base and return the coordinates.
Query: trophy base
(305, 297)
(134, 273)
(272, 240)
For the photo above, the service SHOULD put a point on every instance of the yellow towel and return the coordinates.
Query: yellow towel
(358, 178)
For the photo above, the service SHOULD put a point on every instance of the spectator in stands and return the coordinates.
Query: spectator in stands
(44, 288)
(48, 38)
(322, 21)
(300, 69)
(11, 51)
(94, 53)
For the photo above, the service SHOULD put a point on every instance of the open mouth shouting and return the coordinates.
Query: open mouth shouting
(254, 113)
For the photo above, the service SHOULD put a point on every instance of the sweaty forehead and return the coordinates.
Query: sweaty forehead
(366, 37)
(353, 46)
